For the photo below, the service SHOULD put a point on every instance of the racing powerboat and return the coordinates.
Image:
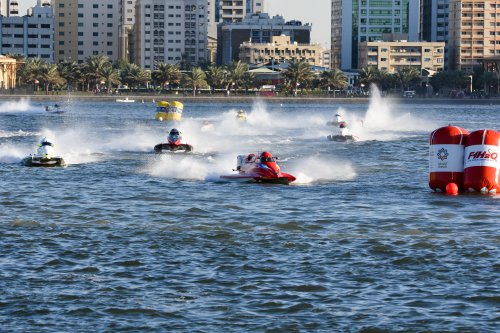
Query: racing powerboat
(336, 121)
(54, 109)
(166, 111)
(174, 143)
(343, 135)
(259, 168)
(44, 156)
(241, 116)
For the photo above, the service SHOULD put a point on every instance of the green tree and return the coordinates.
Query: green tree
(167, 74)
(407, 76)
(334, 79)
(216, 77)
(110, 76)
(133, 75)
(235, 73)
(93, 66)
(298, 73)
(195, 79)
(49, 76)
(70, 71)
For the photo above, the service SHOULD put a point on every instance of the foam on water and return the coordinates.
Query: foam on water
(12, 153)
(22, 105)
(317, 169)
(188, 166)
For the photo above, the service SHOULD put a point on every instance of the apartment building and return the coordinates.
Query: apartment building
(236, 10)
(474, 32)
(127, 20)
(395, 55)
(8, 71)
(279, 50)
(167, 30)
(85, 28)
(434, 23)
(256, 28)
(9, 7)
(357, 21)
(31, 36)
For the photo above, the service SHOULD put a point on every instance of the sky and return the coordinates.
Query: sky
(316, 12)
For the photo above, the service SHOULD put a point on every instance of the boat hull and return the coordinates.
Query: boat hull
(167, 147)
(342, 138)
(34, 161)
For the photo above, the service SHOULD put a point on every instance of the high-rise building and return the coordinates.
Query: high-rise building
(236, 10)
(31, 36)
(256, 28)
(9, 8)
(473, 32)
(86, 28)
(167, 30)
(355, 21)
(127, 20)
(434, 23)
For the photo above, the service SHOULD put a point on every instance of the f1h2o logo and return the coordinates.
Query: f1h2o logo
(442, 154)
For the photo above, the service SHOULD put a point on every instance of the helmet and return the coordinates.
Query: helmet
(343, 124)
(45, 142)
(266, 154)
(174, 131)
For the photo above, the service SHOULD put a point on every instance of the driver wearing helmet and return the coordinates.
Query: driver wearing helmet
(45, 148)
(174, 137)
(267, 159)
(343, 128)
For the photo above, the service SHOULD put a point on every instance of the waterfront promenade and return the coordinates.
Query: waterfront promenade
(140, 98)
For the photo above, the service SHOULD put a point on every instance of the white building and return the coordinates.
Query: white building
(31, 36)
(167, 30)
(9, 7)
(357, 21)
(127, 20)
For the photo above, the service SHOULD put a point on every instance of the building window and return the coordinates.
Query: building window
(95, 6)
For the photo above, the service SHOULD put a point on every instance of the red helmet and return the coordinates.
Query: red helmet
(266, 154)
(343, 124)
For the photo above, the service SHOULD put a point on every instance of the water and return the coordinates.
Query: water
(121, 240)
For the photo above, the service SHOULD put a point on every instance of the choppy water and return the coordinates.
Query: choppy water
(122, 240)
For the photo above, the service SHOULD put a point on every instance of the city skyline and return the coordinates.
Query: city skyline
(317, 14)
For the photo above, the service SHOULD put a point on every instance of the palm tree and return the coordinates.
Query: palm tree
(94, 65)
(407, 76)
(70, 71)
(216, 77)
(49, 75)
(235, 73)
(248, 81)
(110, 76)
(32, 70)
(133, 75)
(369, 75)
(167, 74)
(298, 72)
(195, 78)
(334, 79)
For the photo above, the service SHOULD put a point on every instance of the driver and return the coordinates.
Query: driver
(174, 136)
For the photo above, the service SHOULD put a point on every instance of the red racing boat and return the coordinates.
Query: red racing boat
(259, 168)
(174, 143)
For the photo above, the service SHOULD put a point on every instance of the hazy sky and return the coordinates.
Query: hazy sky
(316, 12)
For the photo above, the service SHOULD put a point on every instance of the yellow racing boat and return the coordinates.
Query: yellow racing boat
(166, 111)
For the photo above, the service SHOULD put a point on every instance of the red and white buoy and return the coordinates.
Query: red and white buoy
(482, 162)
(446, 157)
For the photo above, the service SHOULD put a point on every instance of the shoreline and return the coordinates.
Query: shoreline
(249, 99)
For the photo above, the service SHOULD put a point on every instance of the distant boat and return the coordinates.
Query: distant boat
(54, 109)
(126, 100)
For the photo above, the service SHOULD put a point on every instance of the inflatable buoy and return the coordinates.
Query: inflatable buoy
(446, 157)
(482, 162)
(452, 189)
